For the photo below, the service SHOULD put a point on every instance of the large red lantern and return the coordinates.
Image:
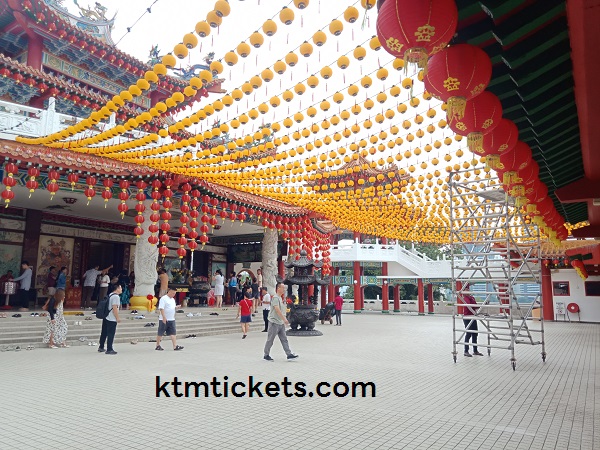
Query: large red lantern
(415, 30)
(457, 74)
(501, 139)
(482, 115)
(52, 187)
(510, 163)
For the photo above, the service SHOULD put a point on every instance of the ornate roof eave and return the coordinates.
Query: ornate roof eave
(61, 11)
(110, 49)
(303, 261)
(36, 154)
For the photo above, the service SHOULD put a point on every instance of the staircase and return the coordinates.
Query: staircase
(27, 330)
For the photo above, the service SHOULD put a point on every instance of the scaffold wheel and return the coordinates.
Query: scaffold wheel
(454, 358)
(489, 350)
(514, 365)
(544, 356)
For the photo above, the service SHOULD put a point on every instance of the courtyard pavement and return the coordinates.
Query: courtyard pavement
(77, 398)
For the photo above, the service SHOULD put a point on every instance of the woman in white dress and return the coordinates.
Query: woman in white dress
(219, 287)
(56, 326)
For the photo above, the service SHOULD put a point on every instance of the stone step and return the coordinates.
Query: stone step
(29, 330)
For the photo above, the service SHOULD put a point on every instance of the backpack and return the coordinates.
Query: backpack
(103, 309)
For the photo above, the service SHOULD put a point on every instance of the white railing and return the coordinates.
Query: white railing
(411, 259)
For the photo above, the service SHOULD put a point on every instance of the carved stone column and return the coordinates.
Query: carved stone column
(269, 259)
(146, 257)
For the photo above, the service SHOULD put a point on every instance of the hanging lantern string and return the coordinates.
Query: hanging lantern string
(148, 10)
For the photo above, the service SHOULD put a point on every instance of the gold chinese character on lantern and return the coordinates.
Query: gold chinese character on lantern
(394, 44)
(425, 33)
(451, 84)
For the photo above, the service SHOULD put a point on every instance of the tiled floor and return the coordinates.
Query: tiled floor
(79, 399)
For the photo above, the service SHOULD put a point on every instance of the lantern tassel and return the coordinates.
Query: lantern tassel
(456, 108)
(475, 142)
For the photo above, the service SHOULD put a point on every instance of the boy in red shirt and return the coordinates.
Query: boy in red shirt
(245, 311)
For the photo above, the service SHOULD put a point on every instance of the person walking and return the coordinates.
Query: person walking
(109, 324)
(166, 309)
(56, 325)
(470, 324)
(266, 304)
(25, 280)
(51, 281)
(233, 288)
(277, 325)
(61, 279)
(245, 311)
(338, 302)
(89, 283)
(219, 287)
(104, 282)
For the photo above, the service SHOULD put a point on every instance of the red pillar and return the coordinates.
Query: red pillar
(397, 298)
(357, 288)
(280, 268)
(35, 46)
(323, 296)
(547, 296)
(430, 298)
(385, 291)
(421, 292)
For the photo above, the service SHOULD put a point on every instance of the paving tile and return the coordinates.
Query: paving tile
(423, 399)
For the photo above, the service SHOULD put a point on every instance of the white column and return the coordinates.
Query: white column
(269, 259)
(146, 257)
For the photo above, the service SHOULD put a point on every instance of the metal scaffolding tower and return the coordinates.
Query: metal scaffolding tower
(496, 259)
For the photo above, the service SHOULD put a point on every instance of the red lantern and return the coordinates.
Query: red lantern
(414, 30)
(153, 239)
(163, 250)
(482, 114)
(510, 163)
(457, 74)
(138, 231)
(181, 252)
(52, 187)
(501, 139)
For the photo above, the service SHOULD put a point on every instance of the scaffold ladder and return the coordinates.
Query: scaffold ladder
(496, 259)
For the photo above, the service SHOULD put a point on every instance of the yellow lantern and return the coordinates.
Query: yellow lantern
(374, 43)
(189, 91)
(353, 90)
(382, 97)
(263, 108)
(319, 38)
(407, 83)
(382, 73)
(338, 97)
(312, 81)
(243, 49)
(287, 96)
(279, 67)
(267, 75)
(269, 28)
(301, 4)
(300, 89)
(395, 91)
(169, 61)
(256, 39)
(336, 27)
(203, 28)
(368, 104)
(351, 14)
(366, 82)
(237, 95)
(222, 8)
(326, 72)
(325, 105)
(256, 82)
(360, 53)
(253, 114)
(402, 108)
(205, 76)
(216, 67)
(291, 59)
(213, 19)
(343, 62)
(306, 49)
(142, 84)
(230, 59)
(286, 15)
(298, 117)
(247, 88)
(275, 102)
(190, 40)
(368, 4)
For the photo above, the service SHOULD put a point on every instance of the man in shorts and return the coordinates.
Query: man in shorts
(166, 308)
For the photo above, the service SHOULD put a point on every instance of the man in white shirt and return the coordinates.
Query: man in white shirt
(25, 280)
(89, 283)
(266, 304)
(166, 309)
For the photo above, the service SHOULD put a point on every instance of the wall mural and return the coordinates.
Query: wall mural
(53, 251)
(10, 259)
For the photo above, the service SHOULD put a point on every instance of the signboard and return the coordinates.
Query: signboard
(436, 280)
(402, 281)
(371, 264)
(343, 264)
(560, 309)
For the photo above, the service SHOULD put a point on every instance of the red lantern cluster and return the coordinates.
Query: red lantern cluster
(107, 192)
(52, 186)
(32, 184)
(123, 196)
(90, 191)
(155, 216)
(140, 207)
(9, 182)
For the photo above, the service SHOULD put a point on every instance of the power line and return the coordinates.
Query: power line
(148, 10)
